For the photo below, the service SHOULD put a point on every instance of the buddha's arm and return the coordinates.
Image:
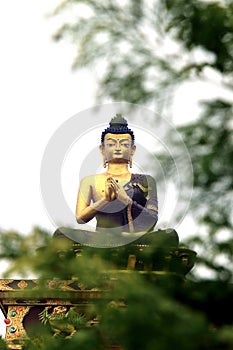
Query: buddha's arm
(85, 210)
(151, 206)
(143, 216)
(149, 213)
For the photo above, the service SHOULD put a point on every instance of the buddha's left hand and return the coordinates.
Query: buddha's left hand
(122, 195)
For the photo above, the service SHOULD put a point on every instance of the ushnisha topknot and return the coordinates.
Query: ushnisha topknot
(118, 125)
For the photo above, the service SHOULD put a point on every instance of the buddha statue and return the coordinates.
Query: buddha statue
(124, 204)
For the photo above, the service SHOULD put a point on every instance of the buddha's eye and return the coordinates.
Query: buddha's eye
(110, 144)
(126, 145)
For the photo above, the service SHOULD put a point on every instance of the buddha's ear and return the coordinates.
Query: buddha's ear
(101, 148)
(133, 149)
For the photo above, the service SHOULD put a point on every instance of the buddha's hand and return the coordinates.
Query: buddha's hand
(122, 195)
(110, 189)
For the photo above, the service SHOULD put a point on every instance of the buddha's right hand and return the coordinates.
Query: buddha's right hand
(110, 189)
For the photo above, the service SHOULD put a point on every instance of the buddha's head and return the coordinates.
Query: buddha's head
(117, 142)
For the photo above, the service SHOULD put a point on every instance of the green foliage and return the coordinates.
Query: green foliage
(130, 41)
(16, 247)
(3, 345)
(208, 25)
(120, 40)
(85, 340)
(155, 324)
(210, 144)
(141, 310)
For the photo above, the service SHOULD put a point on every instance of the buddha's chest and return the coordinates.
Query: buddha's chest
(99, 186)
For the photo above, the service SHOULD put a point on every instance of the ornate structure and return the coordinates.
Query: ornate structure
(28, 302)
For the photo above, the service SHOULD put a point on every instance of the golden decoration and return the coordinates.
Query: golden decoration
(22, 284)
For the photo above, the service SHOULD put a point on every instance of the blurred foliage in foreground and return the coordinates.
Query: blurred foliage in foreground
(141, 310)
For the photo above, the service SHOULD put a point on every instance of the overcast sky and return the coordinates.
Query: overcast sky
(38, 93)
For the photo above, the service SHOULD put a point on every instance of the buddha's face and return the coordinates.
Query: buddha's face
(117, 148)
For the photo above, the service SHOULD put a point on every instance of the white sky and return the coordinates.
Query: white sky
(38, 93)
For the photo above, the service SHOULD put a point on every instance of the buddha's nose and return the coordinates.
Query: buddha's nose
(118, 146)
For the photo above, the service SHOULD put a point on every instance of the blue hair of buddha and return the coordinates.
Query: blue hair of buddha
(118, 125)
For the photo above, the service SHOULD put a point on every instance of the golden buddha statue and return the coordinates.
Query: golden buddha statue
(124, 204)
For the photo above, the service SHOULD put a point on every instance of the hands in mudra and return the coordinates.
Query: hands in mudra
(113, 191)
